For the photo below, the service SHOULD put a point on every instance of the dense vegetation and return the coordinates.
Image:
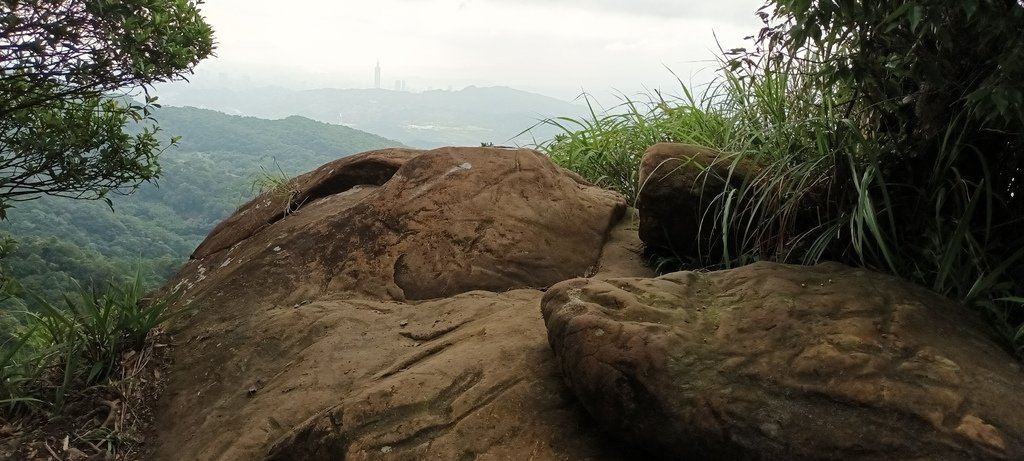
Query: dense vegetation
(897, 126)
(69, 128)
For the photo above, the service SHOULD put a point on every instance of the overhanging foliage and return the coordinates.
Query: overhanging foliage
(60, 133)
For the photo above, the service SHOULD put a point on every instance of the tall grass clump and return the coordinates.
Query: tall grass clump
(833, 183)
(278, 184)
(605, 148)
(65, 349)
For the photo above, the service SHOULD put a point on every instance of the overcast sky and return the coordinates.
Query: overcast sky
(555, 47)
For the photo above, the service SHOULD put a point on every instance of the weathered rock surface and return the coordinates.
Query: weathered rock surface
(372, 168)
(784, 362)
(312, 338)
(444, 222)
(678, 183)
(385, 307)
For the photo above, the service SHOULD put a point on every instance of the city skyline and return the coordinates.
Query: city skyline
(376, 75)
(609, 46)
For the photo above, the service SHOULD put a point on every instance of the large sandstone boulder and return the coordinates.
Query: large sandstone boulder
(679, 184)
(771, 362)
(311, 338)
(407, 225)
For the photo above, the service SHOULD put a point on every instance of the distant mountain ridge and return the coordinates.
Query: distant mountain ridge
(206, 130)
(470, 116)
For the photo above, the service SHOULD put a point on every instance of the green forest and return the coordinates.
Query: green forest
(53, 242)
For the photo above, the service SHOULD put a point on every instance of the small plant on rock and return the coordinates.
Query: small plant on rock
(279, 186)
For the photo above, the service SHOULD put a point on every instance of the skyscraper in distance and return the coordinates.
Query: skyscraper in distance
(376, 75)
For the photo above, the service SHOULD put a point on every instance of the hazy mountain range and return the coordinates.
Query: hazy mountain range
(470, 116)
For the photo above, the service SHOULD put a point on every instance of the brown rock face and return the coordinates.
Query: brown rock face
(408, 225)
(785, 362)
(678, 183)
(310, 340)
(367, 169)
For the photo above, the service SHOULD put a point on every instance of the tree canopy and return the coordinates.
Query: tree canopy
(937, 81)
(67, 71)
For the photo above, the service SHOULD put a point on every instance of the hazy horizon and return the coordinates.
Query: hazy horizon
(555, 48)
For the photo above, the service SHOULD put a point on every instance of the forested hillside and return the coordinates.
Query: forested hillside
(204, 178)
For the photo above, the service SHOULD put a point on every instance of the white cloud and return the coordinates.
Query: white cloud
(556, 46)
(738, 11)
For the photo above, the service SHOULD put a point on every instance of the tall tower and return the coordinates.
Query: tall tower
(376, 75)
